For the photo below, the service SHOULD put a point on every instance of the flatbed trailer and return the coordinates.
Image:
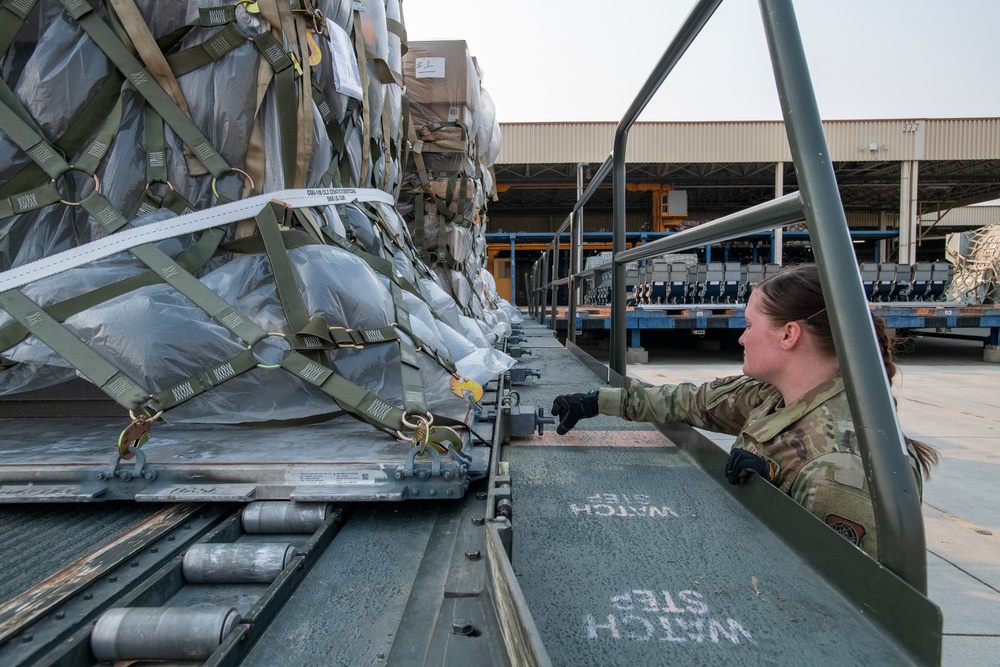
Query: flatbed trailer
(617, 544)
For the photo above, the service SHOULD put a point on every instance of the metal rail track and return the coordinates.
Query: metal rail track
(147, 570)
(148, 595)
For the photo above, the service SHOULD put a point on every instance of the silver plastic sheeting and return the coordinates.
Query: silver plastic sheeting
(156, 335)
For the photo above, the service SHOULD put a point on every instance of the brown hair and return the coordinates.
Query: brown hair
(795, 295)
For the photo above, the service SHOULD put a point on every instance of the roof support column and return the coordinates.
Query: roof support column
(883, 245)
(779, 192)
(513, 271)
(575, 288)
(908, 218)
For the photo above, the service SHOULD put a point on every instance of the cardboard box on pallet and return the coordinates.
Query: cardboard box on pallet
(442, 85)
(441, 71)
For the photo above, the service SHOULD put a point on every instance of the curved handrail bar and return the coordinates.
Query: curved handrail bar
(902, 545)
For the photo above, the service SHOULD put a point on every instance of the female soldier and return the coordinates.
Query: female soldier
(789, 410)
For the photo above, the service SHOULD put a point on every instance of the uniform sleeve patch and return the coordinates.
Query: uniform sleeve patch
(722, 382)
(851, 531)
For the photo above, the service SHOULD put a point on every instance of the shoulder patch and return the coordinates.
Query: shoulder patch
(851, 531)
(722, 382)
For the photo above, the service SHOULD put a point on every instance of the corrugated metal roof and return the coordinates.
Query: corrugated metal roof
(966, 216)
(756, 141)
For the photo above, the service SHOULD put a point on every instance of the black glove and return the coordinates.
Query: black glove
(741, 462)
(571, 408)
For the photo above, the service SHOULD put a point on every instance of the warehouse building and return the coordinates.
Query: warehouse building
(906, 184)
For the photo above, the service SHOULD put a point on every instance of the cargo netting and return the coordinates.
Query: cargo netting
(251, 212)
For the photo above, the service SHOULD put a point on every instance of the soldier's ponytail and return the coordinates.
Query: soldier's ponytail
(926, 455)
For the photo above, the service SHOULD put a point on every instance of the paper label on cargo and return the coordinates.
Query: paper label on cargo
(429, 68)
(346, 78)
(340, 477)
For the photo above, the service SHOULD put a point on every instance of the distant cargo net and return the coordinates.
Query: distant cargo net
(977, 272)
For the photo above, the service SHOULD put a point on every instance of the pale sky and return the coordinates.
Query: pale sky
(585, 60)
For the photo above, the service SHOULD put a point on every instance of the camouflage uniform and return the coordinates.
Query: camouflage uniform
(811, 443)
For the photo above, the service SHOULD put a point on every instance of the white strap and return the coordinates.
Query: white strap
(184, 224)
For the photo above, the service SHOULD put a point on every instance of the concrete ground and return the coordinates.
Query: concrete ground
(949, 398)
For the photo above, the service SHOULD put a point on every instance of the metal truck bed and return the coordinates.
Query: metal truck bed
(75, 460)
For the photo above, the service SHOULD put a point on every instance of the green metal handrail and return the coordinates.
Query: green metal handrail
(901, 541)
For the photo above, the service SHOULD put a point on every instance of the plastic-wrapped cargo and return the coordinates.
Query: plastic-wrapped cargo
(181, 288)
(443, 88)
(449, 175)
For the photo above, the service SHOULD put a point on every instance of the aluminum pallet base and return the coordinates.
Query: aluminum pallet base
(76, 461)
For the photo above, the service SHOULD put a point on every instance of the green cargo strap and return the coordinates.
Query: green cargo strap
(306, 218)
(89, 161)
(191, 260)
(79, 131)
(148, 202)
(284, 89)
(404, 129)
(101, 209)
(12, 114)
(433, 127)
(386, 268)
(359, 48)
(65, 343)
(307, 333)
(386, 141)
(385, 73)
(413, 387)
(442, 246)
(254, 245)
(298, 317)
(156, 148)
(134, 28)
(199, 384)
(359, 338)
(13, 14)
(30, 200)
(399, 30)
(146, 85)
(458, 183)
(32, 142)
(169, 41)
(214, 16)
(358, 402)
(181, 206)
(214, 49)
(333, 130)
(441, 146)
(418, 227)
(416, 152)
(185, 283)
(178, 278)
(339, 171)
